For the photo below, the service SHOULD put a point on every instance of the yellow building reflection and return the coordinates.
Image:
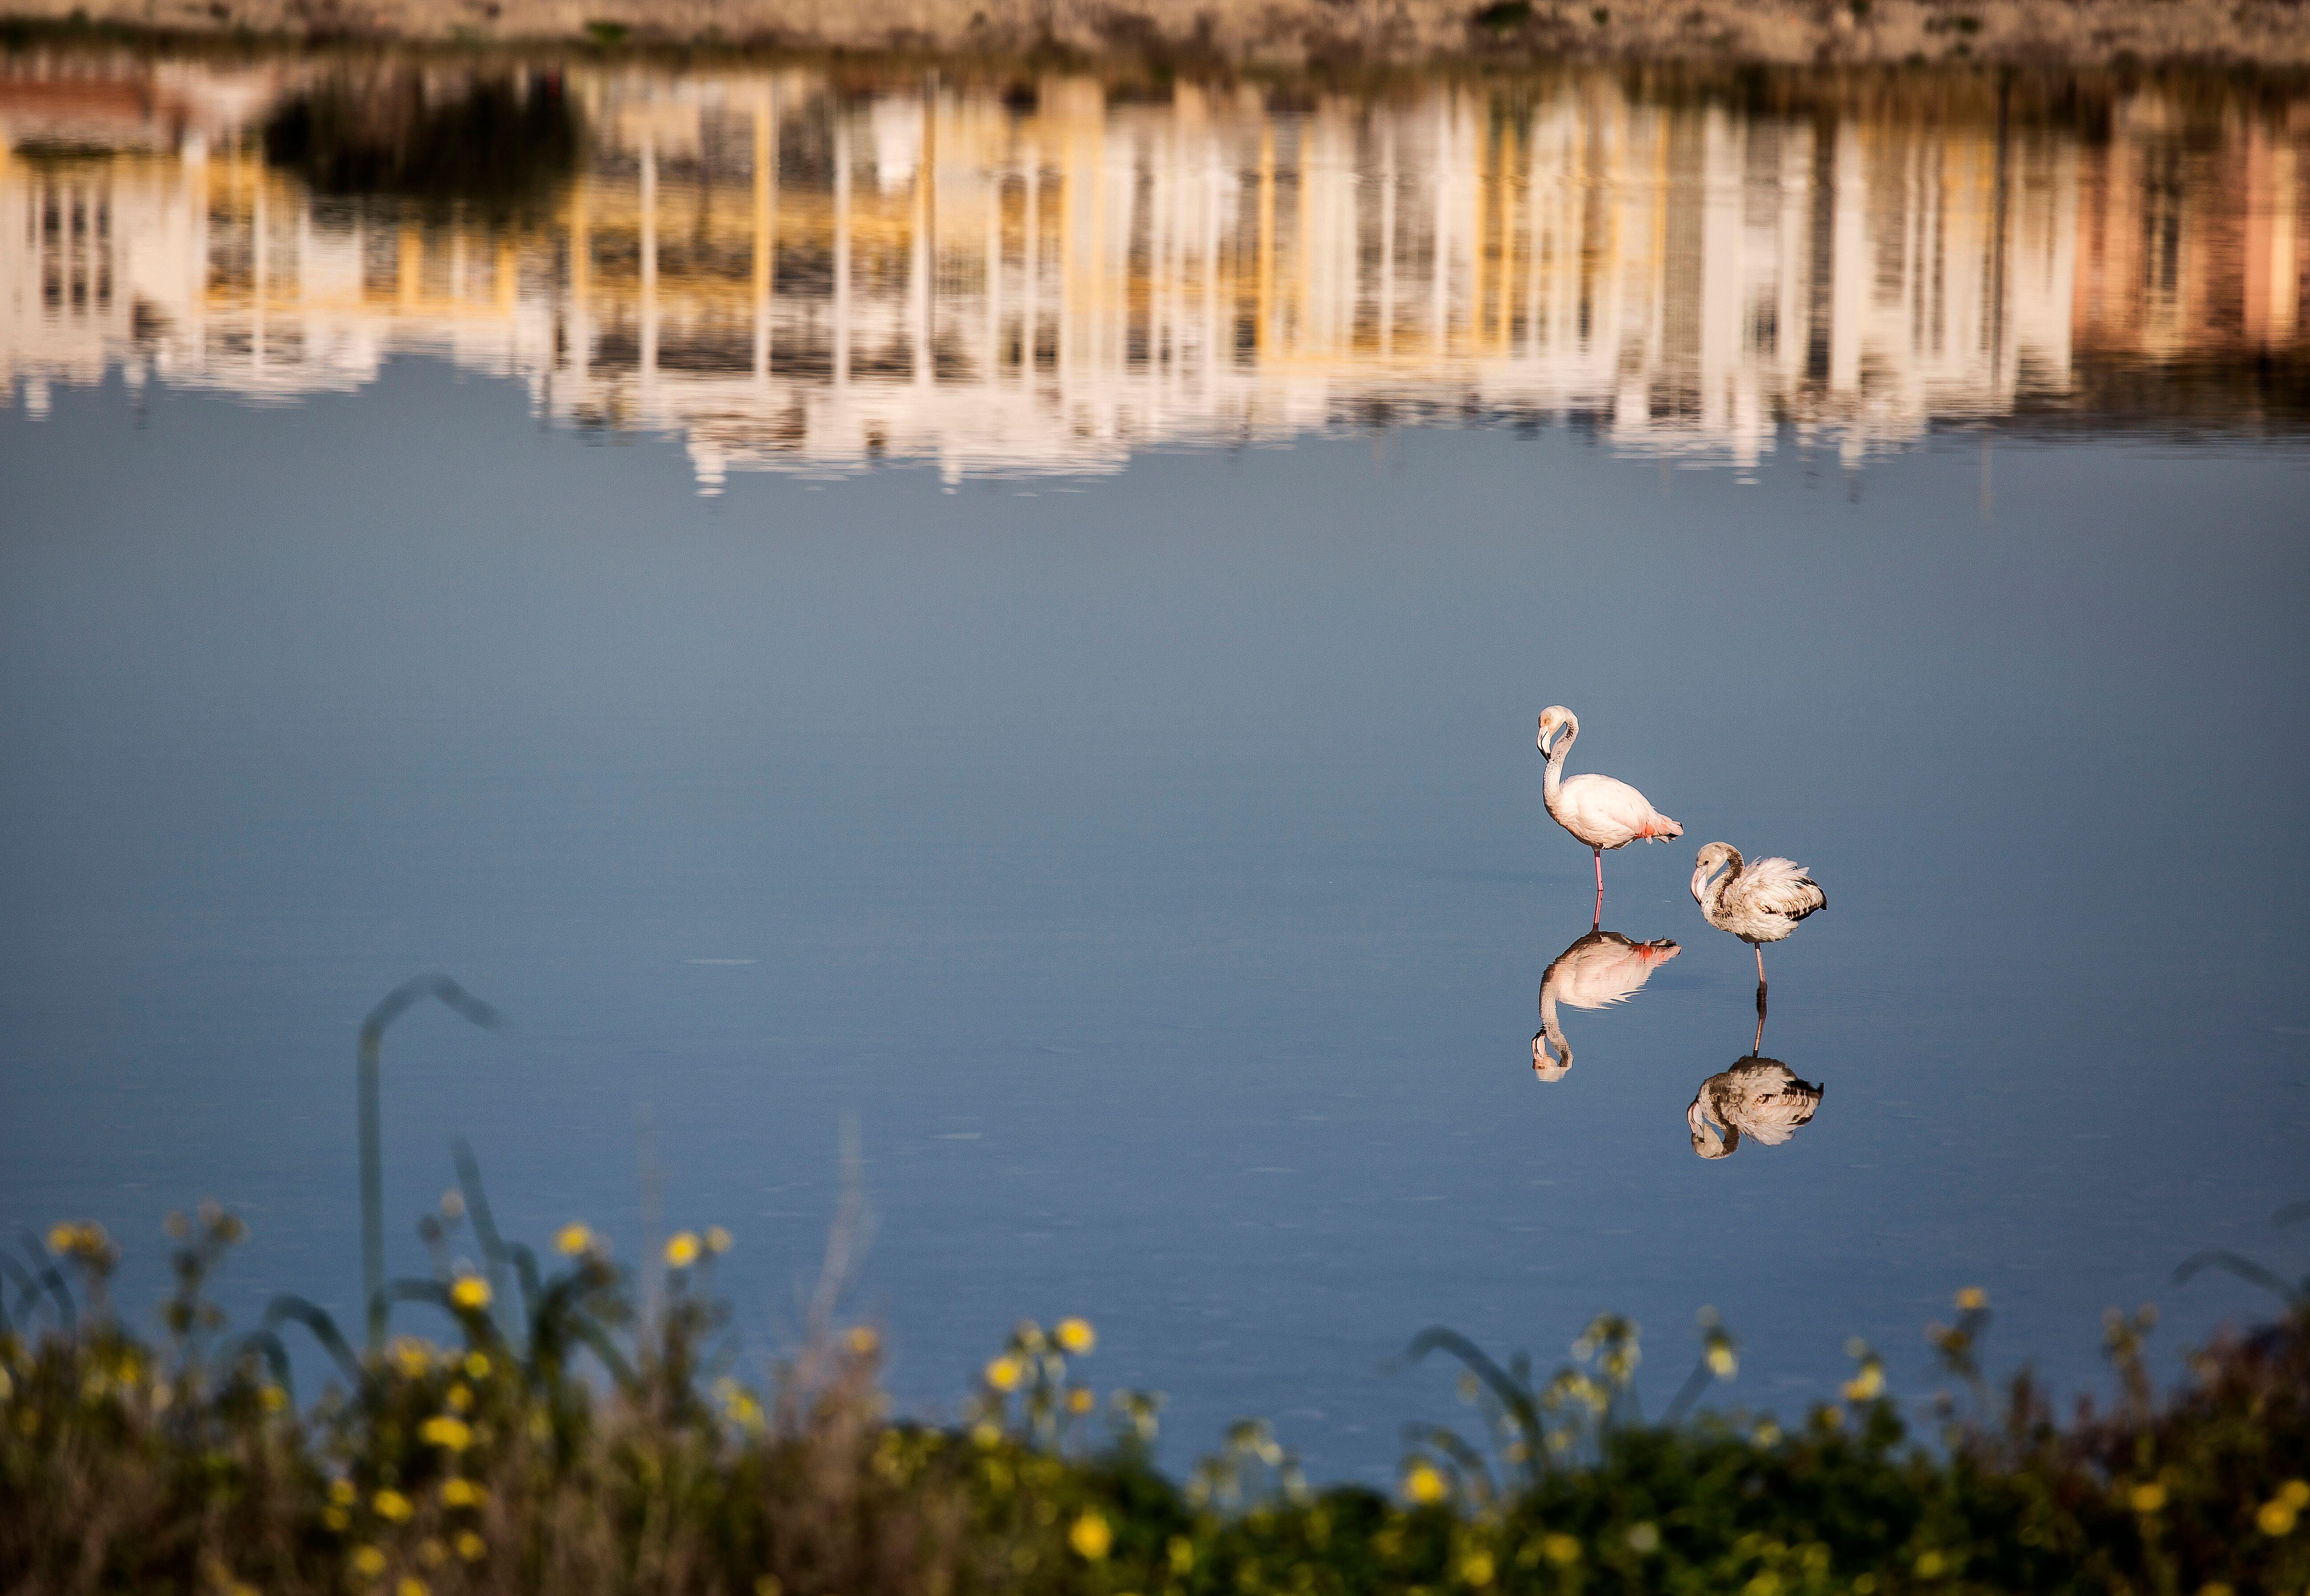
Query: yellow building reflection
(789, 278)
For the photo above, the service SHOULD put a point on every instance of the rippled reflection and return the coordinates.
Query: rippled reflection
(793, 274)
(1602, 968)
(1760, 1098)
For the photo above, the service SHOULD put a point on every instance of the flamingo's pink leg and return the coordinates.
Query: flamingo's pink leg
(1760, 966)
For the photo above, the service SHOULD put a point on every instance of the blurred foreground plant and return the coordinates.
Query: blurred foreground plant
(557, 1439)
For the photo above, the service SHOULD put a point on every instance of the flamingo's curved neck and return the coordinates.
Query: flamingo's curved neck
(1554, 778)
(1708, 886)
(1551, 1027)
(1707, 1140)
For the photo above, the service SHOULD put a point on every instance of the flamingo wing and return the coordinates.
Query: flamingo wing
(1777, 886)
(1604, 812)
(1609, 971)
(1773, 1104)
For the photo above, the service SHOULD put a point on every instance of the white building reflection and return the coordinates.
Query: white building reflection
(787, 280)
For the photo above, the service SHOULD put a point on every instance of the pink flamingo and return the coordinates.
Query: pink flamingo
(1600, 812)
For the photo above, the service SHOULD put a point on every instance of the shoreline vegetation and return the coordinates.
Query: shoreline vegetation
(575, 1426)
(1195, 39)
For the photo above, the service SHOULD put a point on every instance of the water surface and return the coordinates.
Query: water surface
(1042, 657)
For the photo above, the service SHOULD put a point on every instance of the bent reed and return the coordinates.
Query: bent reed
(565, 1438)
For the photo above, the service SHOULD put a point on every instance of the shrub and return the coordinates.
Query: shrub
(561, 1439)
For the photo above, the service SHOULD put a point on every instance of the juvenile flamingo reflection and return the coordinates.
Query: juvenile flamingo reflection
(1759, 903)
(1757, 1097)
(1600, 812)
(1760, 1098)
(1599, 969)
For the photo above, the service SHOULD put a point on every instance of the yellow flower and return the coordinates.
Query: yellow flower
(717, 1240)
(1075, 1336)
(461, 1399)
(2147, 1498)
(1972, 1300)
(1424, 1483)
(335, 1518)
(1476, 1568)
(342, 1492)
(1867, 1385)
(863, 1341)
(1079, 1400)
(460, 1493)
(1182, 1553)
(1090, 1538)
(1560, 1548)
(273, 1398)
(572, 1239)
(1722, 1363)
(471, 1293)
(85, 1239)
(472, 1547)
(1002, 1372)
(411, 1355)
(2295, 1494)
(444, 1431)
(984, 1435)
(391, 1507)
(738, 1404)
(477, 1366)
(681, 1251)
(367, 1561)
(1930, 1564)
(409, 1585)
(2275, 1518)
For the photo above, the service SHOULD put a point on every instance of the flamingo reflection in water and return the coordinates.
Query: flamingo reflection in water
(1602, 968)
(1757, 1097)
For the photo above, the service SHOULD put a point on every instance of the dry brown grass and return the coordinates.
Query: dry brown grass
(1204, 35)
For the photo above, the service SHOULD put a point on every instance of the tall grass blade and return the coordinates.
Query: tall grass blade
(485, 1225)
(2245, 1269)
(317, 1320)
(372, 1051)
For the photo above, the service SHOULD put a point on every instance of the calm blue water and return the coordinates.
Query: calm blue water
(1153, 865)
(1157, 873)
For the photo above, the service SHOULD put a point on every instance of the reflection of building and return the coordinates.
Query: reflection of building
(789, 281)
(2191, 250)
